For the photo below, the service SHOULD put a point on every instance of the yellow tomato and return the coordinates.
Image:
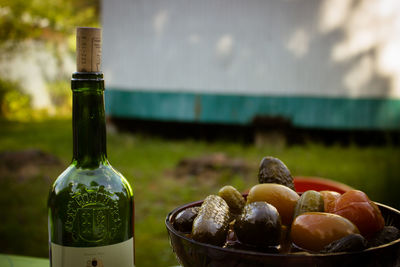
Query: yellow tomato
(330, 198)
(281, 197)
(314, 230)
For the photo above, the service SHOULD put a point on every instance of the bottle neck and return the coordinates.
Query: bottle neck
(88, 120)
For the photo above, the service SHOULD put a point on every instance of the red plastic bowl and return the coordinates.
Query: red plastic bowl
(303, 184)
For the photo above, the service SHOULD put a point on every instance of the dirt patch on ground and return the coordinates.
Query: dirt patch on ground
(26, 164)
(212, 167)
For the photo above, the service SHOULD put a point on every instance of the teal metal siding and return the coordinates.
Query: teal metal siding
(308, 112)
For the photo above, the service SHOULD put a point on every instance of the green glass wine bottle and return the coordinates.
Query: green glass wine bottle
(90, 205)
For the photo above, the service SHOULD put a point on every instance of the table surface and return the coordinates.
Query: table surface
(22, 261)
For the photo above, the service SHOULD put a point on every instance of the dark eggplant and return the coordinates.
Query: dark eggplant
(184, 220)
(349, 243)
(384, 236)
(259, 225)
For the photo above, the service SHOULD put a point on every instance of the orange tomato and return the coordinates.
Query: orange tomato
(281, 197)
(358, 208)
(314, 230)
(330, 198)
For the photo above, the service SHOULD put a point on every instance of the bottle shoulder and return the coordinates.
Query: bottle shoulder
(105, 176)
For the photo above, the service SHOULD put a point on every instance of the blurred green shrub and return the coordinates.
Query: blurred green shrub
(14, 105)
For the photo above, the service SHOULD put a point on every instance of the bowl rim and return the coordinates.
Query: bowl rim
(175, 211)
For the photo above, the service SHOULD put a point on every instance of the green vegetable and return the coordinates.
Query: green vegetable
(309, 201)
(212, 222)
(233, 198)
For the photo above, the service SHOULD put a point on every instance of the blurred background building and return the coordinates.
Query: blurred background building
(310, 64)
(316, 64)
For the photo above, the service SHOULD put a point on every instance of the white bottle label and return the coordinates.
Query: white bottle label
(120, 255)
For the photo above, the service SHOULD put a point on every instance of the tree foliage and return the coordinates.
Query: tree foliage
(50, 20)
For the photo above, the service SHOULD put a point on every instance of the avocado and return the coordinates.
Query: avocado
(273, 170)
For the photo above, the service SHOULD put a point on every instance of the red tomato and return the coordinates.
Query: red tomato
(359, 209)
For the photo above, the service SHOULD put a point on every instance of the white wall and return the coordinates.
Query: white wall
(287, 47)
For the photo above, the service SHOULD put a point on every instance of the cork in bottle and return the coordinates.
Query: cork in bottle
(88, 49)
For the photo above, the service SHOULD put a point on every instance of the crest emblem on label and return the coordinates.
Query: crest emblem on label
(93, 215)
(93, 223)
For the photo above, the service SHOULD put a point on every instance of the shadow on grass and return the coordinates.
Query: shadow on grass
(23, 229)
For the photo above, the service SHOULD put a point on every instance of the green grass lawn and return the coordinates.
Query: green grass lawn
(148, 163)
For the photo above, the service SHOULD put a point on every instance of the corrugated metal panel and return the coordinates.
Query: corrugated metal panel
(306, 112)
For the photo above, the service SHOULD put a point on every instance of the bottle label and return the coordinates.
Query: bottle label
(120, 255)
